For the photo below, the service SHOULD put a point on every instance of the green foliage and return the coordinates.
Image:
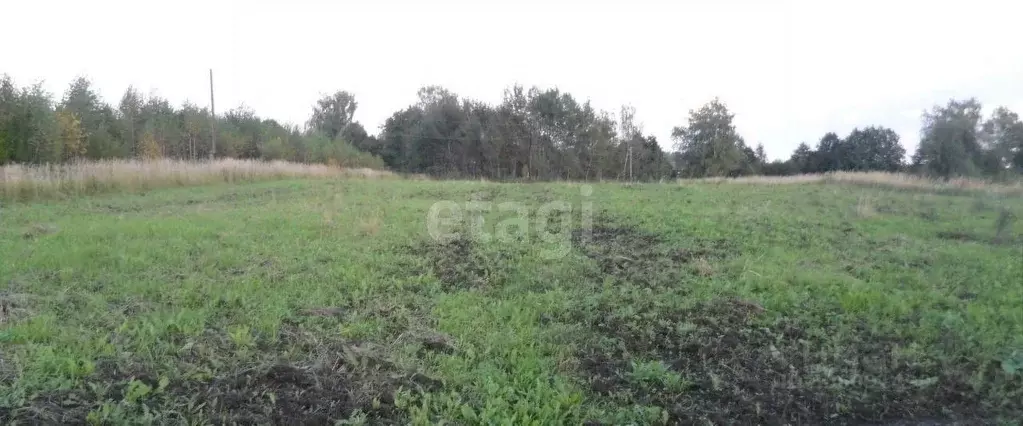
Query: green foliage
(320, 149)
(1003, 137)
(333, 114)
(658, 375)
(780, 168)
(34, 130)
(875, 148)
(97, 119)
(950, 144)
(149, 148)
(803, 159)
(136, 391)
(831, 153)
(531, 134)
(954, 144)
(8, 106)
(1013, 364)
(273, 149)
(195, 133)
(132, 121)
(869, 149)
(536, 134)
(71, 138)
(709, 144)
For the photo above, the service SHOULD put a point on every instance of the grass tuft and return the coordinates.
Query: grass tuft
(865, 208)
(370, 226)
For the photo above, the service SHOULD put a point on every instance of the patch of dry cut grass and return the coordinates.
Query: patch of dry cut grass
(884, 179)
(28, 182)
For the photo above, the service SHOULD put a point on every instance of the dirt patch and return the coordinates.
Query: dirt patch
(461, 264)
(729, 361)
(958, 236)
(739, 369)
(14, 307)
(628, 254)
(972, 237)
(458, 264)
(341, 380)
(322, 392)
(433, 341)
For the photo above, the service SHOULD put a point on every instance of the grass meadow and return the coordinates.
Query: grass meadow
(334, 301)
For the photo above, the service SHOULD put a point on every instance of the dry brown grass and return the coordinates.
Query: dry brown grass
(27, 182)
(882, 179)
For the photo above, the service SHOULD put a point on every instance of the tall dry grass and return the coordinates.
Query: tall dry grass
(28, 182)
(881, 179)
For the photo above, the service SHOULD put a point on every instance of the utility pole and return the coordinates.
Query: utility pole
(213, 120)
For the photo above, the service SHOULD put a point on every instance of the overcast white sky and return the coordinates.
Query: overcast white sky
(789, 70)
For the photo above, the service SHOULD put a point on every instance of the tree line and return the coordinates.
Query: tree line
(956, 140)
(34, 128)
(530, 134)
(548, 134)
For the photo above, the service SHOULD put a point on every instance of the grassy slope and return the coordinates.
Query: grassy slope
(796, 303)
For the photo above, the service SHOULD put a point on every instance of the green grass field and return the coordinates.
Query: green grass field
(329, 302)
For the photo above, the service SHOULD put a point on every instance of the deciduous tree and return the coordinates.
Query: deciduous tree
(71, 138)
(709, 144)
(333, 113)
(950, 145)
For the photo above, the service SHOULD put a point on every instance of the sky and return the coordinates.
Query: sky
(790, 70)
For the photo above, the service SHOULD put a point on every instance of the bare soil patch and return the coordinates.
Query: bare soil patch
(344, 379)
(743, 365)
(458, 264)
(628, 254)
(743, 371)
